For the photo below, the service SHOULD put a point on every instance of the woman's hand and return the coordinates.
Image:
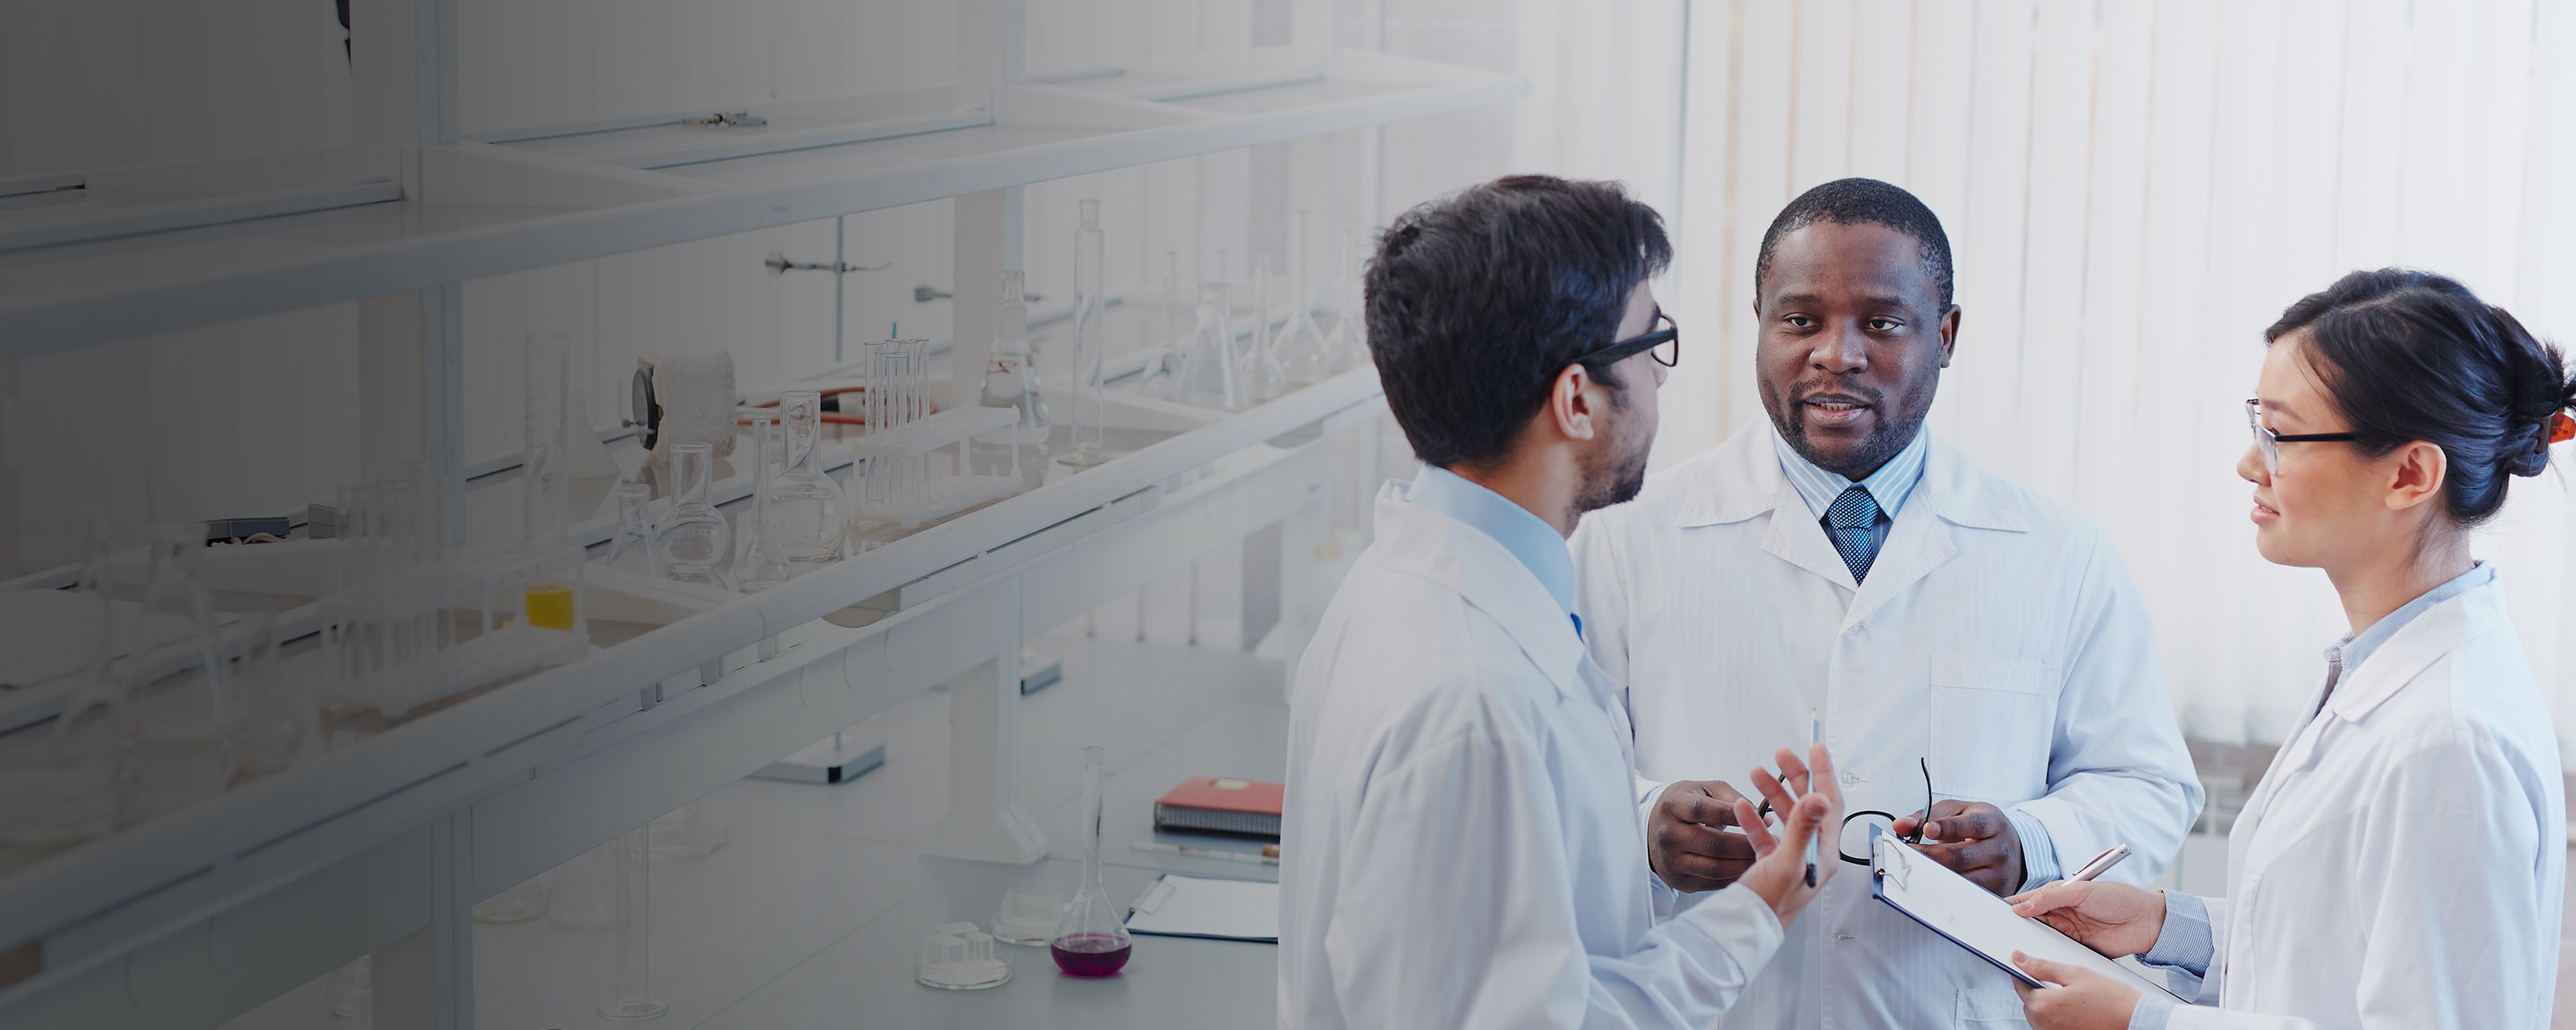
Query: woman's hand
(2083, 999)
(2112, 918)
(1779, 873)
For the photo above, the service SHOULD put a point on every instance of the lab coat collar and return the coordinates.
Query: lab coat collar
(1742, 479)
(2440, 630)
(1417, 540)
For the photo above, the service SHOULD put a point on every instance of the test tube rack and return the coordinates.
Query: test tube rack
(439, 629)
(921, 500)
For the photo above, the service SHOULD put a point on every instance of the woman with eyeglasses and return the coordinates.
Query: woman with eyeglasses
(2401, 862)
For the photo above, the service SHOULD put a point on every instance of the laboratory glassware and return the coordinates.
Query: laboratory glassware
(65, 784)
(959, 957)
(1207, 371)
(187, 721)
(1091, 936)
(692, 539)
(1011, 381)
(545, 490)
(1090, 306)
(806, 508)
(1028, 916)
(763, 563)
(1349, 340)
(633, 997)
(1167, 335)
(1301, 346)
(1261, 377)
(276, 714)
(516, 905)
(632, 549)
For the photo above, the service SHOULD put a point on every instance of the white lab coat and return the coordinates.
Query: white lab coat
(1996, 635)
(2401, 863)
(1461, 844)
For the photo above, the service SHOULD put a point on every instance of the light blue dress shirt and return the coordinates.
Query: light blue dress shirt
(1538, 545)
(2185, 945)
(1890, 486)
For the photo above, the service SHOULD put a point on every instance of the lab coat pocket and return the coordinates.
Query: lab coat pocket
(1991, 726)
(1986, 1008)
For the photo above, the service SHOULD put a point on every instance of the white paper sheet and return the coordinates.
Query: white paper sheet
(1193, 906)
(1949, 905)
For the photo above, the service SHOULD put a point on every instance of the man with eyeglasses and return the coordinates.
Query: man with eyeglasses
(1842, 568)
(1463, 840)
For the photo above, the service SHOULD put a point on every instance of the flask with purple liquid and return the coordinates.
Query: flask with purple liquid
(1091, 938)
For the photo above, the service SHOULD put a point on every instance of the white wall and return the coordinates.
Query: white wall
(2133, 190)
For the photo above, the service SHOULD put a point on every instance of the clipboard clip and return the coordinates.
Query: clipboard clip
(1153, 897)
(1887, 863)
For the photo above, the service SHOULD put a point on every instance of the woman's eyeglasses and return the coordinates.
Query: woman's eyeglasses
(2269, 442)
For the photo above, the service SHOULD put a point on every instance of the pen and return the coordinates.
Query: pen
(1815, 736)
(2100, 864)
(1269, 852)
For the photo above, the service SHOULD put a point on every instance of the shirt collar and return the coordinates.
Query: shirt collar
(1529, 538)
(2347, 654)
(1889, 486)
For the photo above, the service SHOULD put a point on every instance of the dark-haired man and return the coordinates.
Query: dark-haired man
(1842, 565)
(1465, 847)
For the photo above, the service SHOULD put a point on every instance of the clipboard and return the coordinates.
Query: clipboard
(1947, 904)
(1196, 906)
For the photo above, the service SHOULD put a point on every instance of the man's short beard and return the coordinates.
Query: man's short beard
(1618, 478)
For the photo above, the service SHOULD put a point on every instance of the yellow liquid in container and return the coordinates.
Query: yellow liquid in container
(549, 606)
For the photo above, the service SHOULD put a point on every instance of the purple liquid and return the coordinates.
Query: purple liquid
(1090, 954)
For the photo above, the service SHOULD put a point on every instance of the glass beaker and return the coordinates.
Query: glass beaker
(763, 563)
(692, 539)
(1091, 936)
(1261, 377)
(632, 549)
(806, 508)
(1207, 370)
(1301, 347)
(1011, 381)
(1089, 307)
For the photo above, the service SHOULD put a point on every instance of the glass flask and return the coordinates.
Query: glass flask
(692, 538)
(1091, 936)
(1300, 345)
(806, 508)
(632, 548)
(763, 562)
(1260, 377)
(186, 718)
(1207, 370)
(633, 998)
(1011, 381)
(1089, 308)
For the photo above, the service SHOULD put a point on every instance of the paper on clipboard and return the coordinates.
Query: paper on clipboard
(1947, 904)
(1194, 906)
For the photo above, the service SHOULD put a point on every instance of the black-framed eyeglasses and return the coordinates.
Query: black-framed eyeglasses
(1663, 340)
(1842, 848)
(2269, 442)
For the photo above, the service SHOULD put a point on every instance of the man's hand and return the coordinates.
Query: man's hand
(1974, 839)
(2112, 918)
(1806, 793)
(1687, 843)
(2083, 999)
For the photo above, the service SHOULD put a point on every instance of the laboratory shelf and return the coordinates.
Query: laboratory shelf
(558, 761)
(549, 196)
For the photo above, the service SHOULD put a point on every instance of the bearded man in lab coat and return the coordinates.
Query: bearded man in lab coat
(1461, 845)
(1937, 621)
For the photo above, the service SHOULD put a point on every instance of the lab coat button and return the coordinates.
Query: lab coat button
(1843, 940)
(1850, 777)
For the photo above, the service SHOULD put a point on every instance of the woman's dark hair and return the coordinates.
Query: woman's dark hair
(1477, 300)
(2409, 355)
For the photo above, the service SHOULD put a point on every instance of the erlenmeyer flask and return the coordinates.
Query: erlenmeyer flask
(806, 508)
(763, 563)
(692, 539)
(1091, 938)
(632, 549)
(1261, 377)
(1300, 346)
(1011, 381)
(1207, 371)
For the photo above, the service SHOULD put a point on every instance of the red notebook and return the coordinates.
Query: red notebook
(1222, 805)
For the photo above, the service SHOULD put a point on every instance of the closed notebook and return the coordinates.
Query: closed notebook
(1222, 805)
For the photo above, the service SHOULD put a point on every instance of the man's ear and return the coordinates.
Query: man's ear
(1949, 334)
(1573, 409)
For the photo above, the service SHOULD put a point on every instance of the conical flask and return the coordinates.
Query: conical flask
(1091, 938)
(1207, 370)
(632, 549)
(806, 508)
(1261, 377)
(763, 563)
(1301, 347)
(692, 540)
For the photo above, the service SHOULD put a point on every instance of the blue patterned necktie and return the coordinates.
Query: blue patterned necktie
(1848, 523)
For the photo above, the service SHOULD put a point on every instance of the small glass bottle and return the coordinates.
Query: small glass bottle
(632, 549)
(692, 539)
(1301, 345)
(1207, 371)
(1261, 377)
(763, 563)
(806, 507)
(1090, 307)
(1091, 938)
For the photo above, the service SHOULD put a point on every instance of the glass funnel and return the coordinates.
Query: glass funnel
(1091, 937)
(1300, 345)
(763, 562)
(806, 508)
(1207, 370)
(1090, 307)
(693, 539)
(632, 548)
